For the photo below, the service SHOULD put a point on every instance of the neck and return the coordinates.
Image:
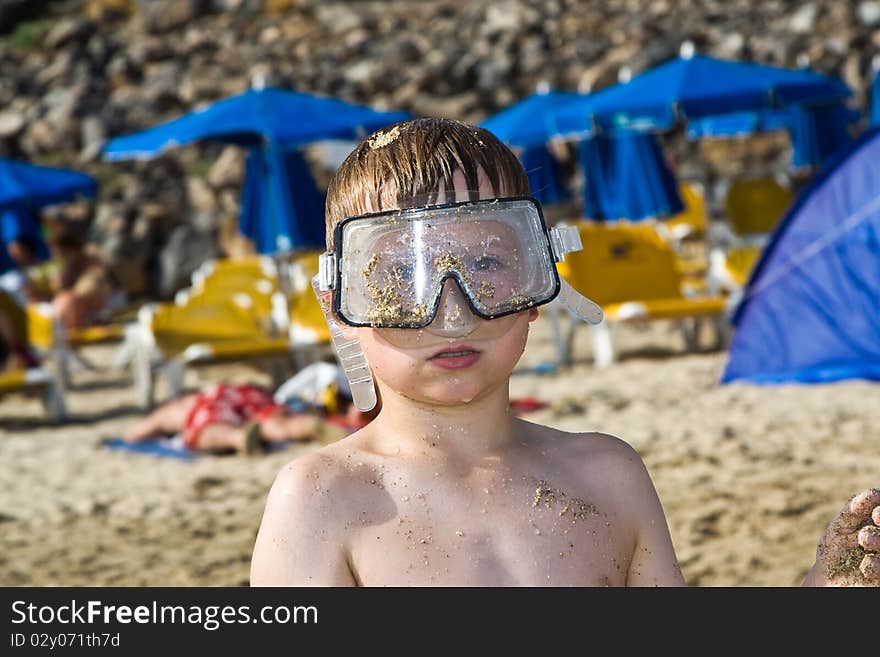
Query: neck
(464, 431)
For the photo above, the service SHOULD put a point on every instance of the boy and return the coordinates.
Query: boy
(445, 486)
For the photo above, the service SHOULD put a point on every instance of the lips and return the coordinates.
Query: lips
(455, 357)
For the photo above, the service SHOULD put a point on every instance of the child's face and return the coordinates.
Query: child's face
(458, 356)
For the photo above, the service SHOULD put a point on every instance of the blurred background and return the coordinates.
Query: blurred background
(145, 151)
(73, 74)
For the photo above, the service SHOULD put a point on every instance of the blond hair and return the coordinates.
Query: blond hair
(408, 163)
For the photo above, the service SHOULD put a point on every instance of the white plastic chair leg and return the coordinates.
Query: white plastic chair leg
(53, 402)
(721, 324)
(173, 370)
(140, 348)
(603, 347)
(690, 330)
(561, 337)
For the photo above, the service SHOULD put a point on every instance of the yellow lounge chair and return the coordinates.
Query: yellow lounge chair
(174, 337)
(693, 221)
(52, 340)
(40, 380)
(235, 311)
(754, 206)
(633, 273)
(36, 379)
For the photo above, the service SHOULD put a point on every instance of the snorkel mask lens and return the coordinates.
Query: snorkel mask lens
(392, 266)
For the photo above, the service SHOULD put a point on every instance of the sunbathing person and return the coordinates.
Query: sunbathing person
(76, 281)
(245, 418)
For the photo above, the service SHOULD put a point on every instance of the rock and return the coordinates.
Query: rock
(869, 13)
(200, 196)
(11, 123)
(39, 138)
(14, 11)
(92, 138)
(804, 19)
(186, 249)
(68, 30)
(103, 11)
(161, 16)
(228, 169)
(731, 46)
(94, 68)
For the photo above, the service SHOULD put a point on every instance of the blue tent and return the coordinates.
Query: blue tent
(686, 88)
(270, 122)
(625, 176)
(816, 132)
(875, 99)
(811, 311)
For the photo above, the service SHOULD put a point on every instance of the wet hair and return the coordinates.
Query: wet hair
(415, 159)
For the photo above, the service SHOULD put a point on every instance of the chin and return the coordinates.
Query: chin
(456, 390)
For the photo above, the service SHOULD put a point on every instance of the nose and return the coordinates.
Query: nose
(454, 317)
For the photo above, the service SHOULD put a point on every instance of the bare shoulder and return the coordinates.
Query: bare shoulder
(317, 483)
(592, 447)
(607, 465)
(303, 535)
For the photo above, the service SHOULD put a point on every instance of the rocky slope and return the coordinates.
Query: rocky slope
(75, 72)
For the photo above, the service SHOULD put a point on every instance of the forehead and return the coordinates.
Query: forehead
(389, 199)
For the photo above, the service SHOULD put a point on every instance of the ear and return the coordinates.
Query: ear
(533, 314)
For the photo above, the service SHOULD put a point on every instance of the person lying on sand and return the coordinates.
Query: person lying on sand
(244, 418)
(437, 262)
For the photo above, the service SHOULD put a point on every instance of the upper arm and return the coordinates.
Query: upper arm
(653, 560)
(300, 542)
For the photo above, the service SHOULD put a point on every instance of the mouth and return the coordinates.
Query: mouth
(455, 357)
(455, 350)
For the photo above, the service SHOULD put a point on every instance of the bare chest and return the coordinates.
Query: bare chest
(523, 532)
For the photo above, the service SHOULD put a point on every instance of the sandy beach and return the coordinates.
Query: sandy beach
(748, 476)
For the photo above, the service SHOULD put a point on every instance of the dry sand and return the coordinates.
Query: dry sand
(748, 476)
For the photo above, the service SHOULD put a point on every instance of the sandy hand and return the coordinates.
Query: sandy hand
(849, 552)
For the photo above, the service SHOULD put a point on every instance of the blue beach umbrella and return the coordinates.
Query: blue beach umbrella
(625, 176)
(279, 211)
(531, 121)
(262, 199)
(33, 186)
(696, 86)
(528, 124)
(816, 132)
(545, 175)
(24, 189)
